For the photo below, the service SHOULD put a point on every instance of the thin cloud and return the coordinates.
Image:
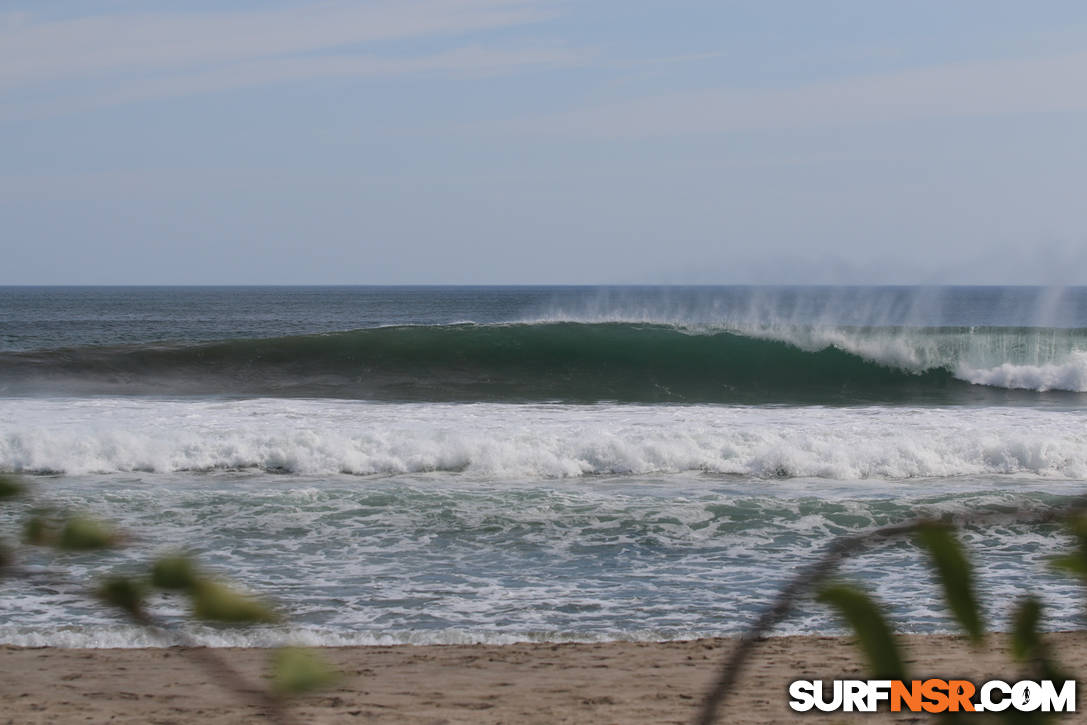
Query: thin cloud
(66, 66)
(469, 61)
(985, 88)
(36, 52)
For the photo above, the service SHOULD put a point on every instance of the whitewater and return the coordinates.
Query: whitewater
(496, 441)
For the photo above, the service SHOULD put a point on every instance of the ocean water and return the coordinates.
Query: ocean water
(503, 464)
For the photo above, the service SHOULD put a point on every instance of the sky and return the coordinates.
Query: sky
(543, 142)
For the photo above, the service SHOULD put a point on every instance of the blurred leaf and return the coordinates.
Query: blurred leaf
(956, 576)
(174, 572)
(217, 602)
(875, 635)
(82, 533)
(1078, 527)
(10, 487)
(1026, 642)
(123, 592)
(1075, 563)
(38, 532)
(296, 670)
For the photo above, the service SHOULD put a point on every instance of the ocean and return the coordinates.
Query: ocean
(498, 464)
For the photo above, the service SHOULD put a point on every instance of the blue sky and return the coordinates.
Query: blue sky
(539, 141)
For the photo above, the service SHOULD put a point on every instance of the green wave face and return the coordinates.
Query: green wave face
(562, 361)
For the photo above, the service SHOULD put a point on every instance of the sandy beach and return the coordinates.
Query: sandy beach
(620, 682)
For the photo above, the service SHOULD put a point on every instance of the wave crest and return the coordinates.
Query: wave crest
(579, 362)
(1070, 374)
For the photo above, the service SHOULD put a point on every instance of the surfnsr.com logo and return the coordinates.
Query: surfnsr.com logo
(933, 695)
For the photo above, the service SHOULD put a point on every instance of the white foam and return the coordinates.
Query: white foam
(1040, 360)
(1026, 358)
(127, 637)
(328, 437)
(1069, 374)
(451, 559)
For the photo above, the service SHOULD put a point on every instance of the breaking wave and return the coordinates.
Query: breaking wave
(531, 442)
(582, 362)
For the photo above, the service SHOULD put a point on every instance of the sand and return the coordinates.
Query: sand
(622, 683)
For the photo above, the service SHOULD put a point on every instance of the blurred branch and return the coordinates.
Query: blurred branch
(839, 550)
(212, 599)
(227, 676)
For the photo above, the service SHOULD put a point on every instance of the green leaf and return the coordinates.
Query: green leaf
(1026, 642)
(1074, 563)
(10, 487)
(296, 670)
(956, 576)
(217, 602)
(82, 533)
(1078, 527)
(123, 592)
(874, 634)
(174, 572)
(38, 532)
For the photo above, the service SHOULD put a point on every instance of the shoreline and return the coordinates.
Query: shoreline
(532, 683)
